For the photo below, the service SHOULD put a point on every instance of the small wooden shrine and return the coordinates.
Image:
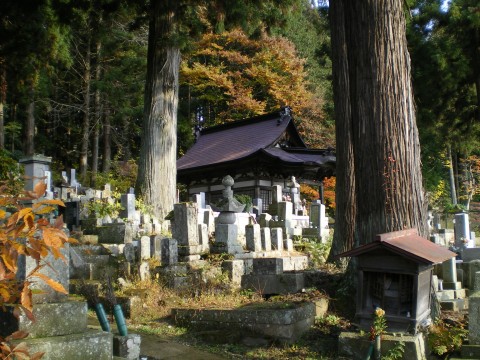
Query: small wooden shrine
(395, 273)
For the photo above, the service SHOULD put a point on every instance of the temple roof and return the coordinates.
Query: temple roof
(271, 138)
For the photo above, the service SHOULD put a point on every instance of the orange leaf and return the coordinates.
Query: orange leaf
(28, 314)
(52, 202)
(8, 262)
(40, 189)
(22, 213)
(59, 222)
(29, 220)
(20, 334)
(55, 285)
(26, 297)
(53, 237)
(37, 355)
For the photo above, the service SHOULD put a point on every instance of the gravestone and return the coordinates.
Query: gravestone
(129, 252)
(128, 203)
(185, 224)
(156, 246)
(72, 214)
(34, 169)
(277, 238)
(266, 239)
(144, 247)
(462, 231)
(253, 237)
(169, 251)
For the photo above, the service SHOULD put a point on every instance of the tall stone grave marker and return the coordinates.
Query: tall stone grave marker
(226, 231)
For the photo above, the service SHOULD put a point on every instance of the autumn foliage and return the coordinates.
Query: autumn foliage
(25, 231)
(232, 76)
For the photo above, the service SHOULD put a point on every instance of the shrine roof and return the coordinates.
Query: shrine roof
(406, 243)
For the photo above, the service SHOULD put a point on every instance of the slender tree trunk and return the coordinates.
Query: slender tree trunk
(345, 180)
(107, 140)
(3, 99)
(98, 117)
(86, 112)
(453, 190)
(127, 151)
(386, 149)
(156, 180)
(30, 122)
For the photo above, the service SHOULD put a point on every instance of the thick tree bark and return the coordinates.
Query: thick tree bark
(386, 149)
(345, 179)
(86, 112)
(156, 180)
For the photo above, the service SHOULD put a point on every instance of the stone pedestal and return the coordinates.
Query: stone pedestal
(226, 240)
(35, 168)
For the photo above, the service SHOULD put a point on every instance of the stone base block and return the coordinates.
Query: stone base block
(88, 239)
(288, 244)
(274, 284)
(189, 258)
(229, 248)
(452, 285)
(470, 351)
(235, 270)
(295, 263)
(190, 250)
(355, 346)
(91, 345)
(52, 319)
(275, 321)
(455, 304)
(127, 347)
(446, 295)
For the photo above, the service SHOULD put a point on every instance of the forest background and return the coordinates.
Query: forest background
(72, 82)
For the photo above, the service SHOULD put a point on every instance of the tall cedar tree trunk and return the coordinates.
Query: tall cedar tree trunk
(386, 150)
(29, 145)
(107, 140)
(86, 111)
(156, 180)
(3, 99)
(345, 178)
(98, 116)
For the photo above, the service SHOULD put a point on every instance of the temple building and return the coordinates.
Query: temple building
(258, 153)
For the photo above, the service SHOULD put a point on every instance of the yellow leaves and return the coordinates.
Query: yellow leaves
(54, 237)
(55, 285)
(26, 296)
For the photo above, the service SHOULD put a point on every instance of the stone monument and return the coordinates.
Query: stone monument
(226, 231)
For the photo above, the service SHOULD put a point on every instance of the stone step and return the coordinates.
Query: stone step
(90, 345)
(55, 319)
(455, 304)
(470, 351)
(90, 250)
